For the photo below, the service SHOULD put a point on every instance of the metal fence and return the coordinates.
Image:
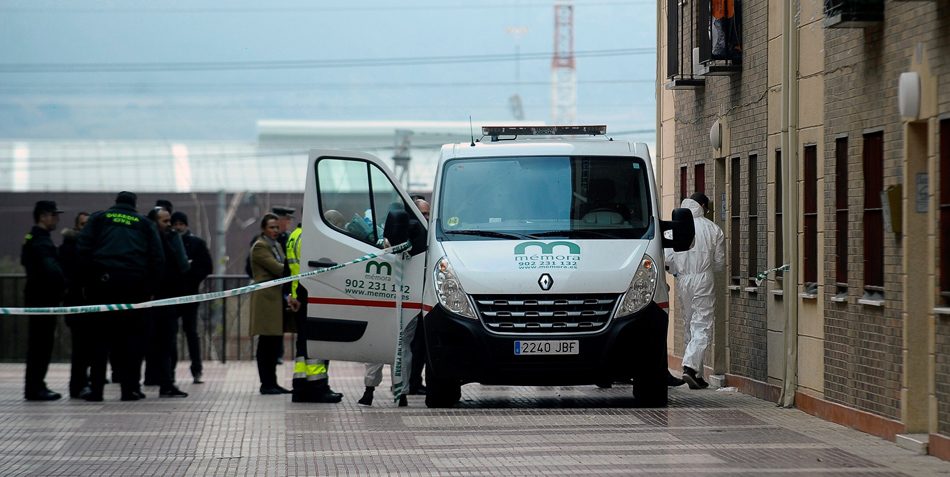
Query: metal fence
(223, 324)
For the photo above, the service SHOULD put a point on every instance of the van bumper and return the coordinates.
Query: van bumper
(462, 349)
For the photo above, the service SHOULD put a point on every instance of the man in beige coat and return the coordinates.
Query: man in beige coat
(267, 305)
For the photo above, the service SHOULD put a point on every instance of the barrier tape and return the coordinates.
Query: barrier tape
(75, 310)
(400, 386)
(761, 277)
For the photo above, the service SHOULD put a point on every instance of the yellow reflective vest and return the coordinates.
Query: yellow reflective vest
(293, 258)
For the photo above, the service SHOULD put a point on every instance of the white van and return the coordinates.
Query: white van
(542, 263)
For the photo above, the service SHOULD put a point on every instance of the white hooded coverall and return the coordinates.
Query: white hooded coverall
(694, 271)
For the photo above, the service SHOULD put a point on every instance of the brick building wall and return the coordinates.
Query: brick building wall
(943, 375)
(936, 22)
(863, 347)
(743, 100)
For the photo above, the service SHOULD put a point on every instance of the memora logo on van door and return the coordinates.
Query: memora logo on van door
(549, 255)
(377, 270)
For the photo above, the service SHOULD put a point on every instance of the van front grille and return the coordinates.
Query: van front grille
(580, 313)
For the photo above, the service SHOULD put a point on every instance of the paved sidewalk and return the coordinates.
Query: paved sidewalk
(226, 428)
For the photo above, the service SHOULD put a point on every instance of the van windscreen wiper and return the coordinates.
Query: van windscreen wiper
(490, 233)
(575, 234)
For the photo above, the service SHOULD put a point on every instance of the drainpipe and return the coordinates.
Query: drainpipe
(790, 200)
(658, 92)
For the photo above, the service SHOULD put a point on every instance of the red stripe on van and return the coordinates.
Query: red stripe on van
(375, 303)
(663, 305)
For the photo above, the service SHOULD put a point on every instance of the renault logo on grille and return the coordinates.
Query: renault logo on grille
(546, 282)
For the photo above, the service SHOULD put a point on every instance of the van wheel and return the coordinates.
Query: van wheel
(442, 392)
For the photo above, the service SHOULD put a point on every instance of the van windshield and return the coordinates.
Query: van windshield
(581, 197)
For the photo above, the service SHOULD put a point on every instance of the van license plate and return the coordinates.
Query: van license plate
(546, 347)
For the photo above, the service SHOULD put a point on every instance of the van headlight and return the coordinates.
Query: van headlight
(640, 293)
(451, 295)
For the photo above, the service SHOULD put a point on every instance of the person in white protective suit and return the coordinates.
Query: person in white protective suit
(400, 384)
(694, 271)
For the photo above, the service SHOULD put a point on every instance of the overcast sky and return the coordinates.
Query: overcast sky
(188, 70)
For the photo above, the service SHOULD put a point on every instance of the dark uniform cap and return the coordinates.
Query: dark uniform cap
(46, 206)
(179, 217)
(284, 211)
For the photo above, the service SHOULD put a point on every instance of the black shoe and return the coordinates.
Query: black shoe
(172, 392)
(90, 396)
(691, 378)
(44, 395)
(367, 399)
(418, 391)
(673, 381)
(403, 401)
(82, 393)
(198, 379)
(270, 390)
(133, 396)
(327, 396)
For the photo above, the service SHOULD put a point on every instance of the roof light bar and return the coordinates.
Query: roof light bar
(592, 130)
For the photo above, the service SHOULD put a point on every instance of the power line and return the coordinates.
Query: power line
(114, 87)
(285, 107)
(320, 9)
(302, 64)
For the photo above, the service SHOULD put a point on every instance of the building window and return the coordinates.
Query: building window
(945, 210)
(779, 226)
(810, 218)
(736, 236)
(683, 184)
(701, 178)
(753, 181)
(873, 215)
(841, 214)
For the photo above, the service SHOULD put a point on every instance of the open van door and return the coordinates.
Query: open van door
(351, 313)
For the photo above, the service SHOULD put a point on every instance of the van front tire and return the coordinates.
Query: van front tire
(441, 393)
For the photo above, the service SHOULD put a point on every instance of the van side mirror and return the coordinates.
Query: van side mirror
(399, 228)
(396, 228)
(682, 229)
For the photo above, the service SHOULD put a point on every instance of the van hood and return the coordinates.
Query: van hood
(516, 267)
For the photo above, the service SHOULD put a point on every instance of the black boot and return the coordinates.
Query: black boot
(367, 399)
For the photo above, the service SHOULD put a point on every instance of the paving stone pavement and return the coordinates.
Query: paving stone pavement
(225, 427)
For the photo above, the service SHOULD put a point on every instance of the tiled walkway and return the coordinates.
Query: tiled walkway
(226, 428)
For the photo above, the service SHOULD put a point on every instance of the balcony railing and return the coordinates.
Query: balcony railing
(223, 324)
(853, 13)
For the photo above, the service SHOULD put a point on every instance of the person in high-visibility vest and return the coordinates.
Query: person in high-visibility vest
(311, 382)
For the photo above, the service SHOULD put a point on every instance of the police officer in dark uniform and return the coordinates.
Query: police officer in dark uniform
(45, 286)
(122, 253)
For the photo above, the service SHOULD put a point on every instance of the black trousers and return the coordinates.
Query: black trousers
(161, 356)
(300, 322)
(116, 334)
(81, 358)
(268, 350)
(418, 347)
(39, 350)
(189, 324)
